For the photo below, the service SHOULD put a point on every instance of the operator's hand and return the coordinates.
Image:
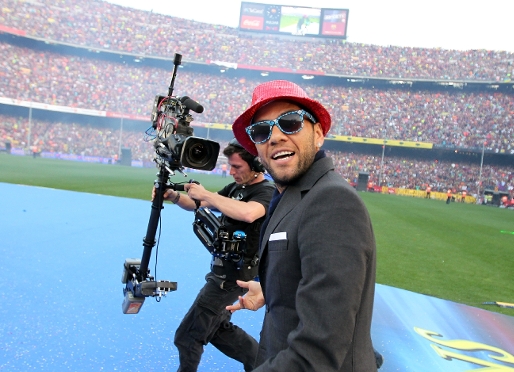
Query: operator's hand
(169, 194)
(196, 191)
(253, 300)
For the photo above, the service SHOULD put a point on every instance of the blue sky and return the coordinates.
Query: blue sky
(448, 24)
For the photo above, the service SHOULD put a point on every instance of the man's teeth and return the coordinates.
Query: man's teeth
(282, 154)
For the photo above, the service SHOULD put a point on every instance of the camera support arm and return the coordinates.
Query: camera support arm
(161, 183)
(136, 276)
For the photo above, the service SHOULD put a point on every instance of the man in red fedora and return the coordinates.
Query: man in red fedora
(317, 248)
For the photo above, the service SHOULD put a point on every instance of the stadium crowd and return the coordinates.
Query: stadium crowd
(86, 140)
(417, 174)
(453, 119)
(456, 119)
(102, 25)
(72, 138)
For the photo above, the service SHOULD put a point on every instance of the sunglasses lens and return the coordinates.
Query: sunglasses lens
(288, 124)
(260, 132)
(291, 123)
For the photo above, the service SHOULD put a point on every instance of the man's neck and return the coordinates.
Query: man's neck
(280, 188)
(259, 178)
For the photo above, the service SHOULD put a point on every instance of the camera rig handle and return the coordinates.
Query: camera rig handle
(176, 62)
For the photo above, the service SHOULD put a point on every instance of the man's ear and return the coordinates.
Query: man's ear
(319, 138)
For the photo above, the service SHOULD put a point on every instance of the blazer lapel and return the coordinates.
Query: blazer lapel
(293, 195)
(291, 198)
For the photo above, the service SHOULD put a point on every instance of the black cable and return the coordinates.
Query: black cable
(158, 298)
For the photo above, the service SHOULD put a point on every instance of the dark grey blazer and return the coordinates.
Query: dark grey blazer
(317, 272)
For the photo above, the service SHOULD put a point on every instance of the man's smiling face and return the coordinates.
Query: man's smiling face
(287, 156)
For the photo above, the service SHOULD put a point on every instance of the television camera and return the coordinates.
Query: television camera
(175, 149)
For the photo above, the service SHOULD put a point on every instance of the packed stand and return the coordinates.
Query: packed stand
(397, 172)
(98, 24)
(417, 173)
(459, 119)
(72, 138)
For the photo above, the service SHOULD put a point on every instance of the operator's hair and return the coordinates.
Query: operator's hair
(233, 148)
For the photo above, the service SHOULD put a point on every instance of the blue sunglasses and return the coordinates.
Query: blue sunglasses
(289, 123)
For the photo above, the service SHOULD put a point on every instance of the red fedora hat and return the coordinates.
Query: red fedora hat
(272, 91)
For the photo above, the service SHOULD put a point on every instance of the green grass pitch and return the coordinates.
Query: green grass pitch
(455, 252)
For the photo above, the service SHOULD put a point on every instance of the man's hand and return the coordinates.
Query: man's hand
(253, 300)
(169, 194)
(196, 191)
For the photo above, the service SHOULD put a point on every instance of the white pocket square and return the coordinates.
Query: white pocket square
(278, 236)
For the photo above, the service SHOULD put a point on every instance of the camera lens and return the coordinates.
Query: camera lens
(199, 153)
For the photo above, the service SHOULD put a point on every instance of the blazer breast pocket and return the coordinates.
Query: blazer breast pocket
(277, 245)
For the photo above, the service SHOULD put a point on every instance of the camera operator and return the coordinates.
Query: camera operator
(243, 205)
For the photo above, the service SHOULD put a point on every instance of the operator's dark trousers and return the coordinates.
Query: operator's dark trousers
(208, 321)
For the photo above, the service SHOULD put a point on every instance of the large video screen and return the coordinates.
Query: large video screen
(293, 20)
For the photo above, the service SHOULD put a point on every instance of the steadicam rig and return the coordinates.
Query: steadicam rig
(175, 149)
(219, 240)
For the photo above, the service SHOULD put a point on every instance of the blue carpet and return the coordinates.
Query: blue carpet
(62, 256)
(61, 294)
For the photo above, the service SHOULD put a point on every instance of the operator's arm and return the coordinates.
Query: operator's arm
(235, 209)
